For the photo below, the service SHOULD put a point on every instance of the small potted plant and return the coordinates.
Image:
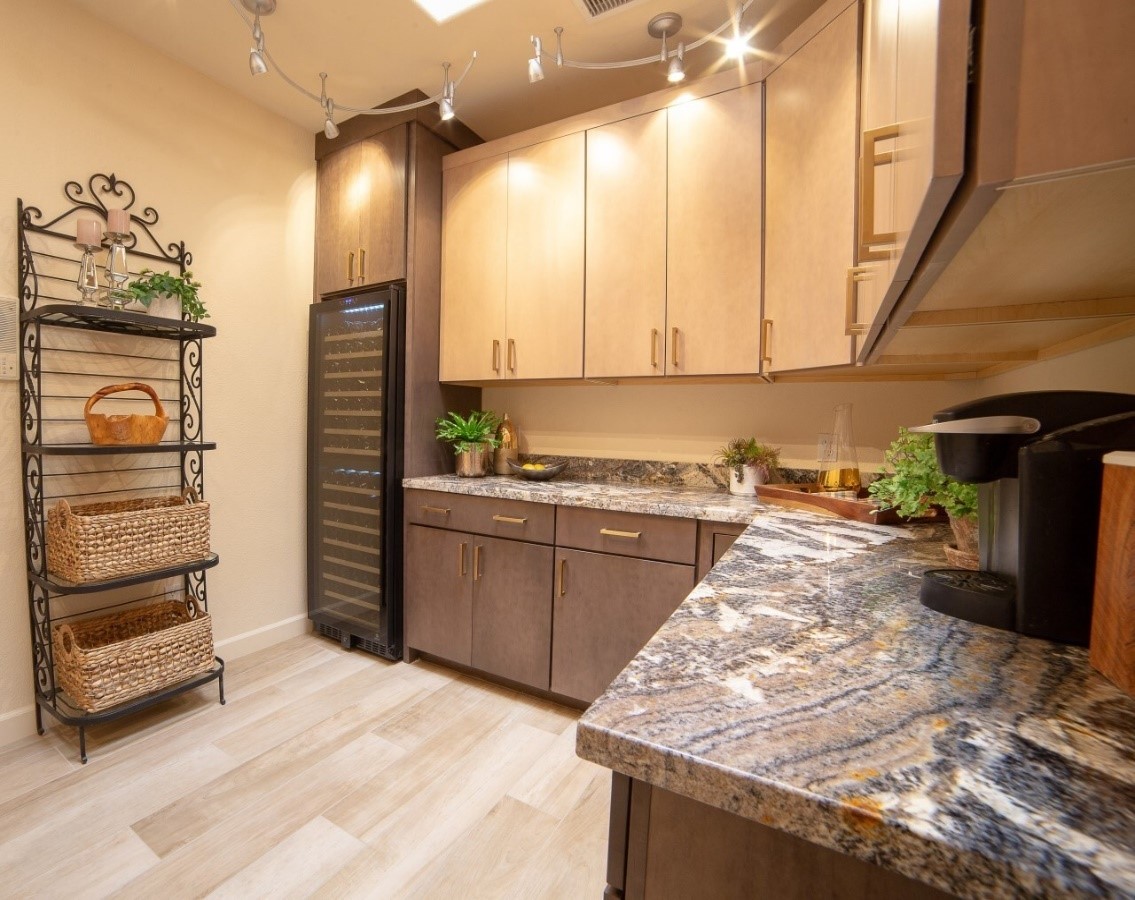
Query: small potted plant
(473, 438)
(917, 487)
(166, 295)
(749, 462)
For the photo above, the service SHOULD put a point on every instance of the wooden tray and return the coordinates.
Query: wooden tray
(809, 497)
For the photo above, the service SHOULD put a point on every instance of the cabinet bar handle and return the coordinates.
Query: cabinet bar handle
(476, 562)
(869, 161)
(563, 577)
(461, 559)
(854, 274)
(351, 267)
(512, 355)
(440, 510)
(674, 345)
(654, 348)
(511, 520)
(496, 356)
(611, 532)
(362, 265)
(766, 342)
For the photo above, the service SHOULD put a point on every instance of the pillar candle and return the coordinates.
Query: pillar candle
(89, 233)
(118, 221)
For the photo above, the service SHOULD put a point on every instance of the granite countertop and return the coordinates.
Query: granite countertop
(679, 502)
(803, 685)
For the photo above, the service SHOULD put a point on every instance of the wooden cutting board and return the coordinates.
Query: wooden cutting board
(1111, 649)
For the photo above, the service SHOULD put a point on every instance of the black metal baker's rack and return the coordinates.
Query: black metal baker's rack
(59, 463)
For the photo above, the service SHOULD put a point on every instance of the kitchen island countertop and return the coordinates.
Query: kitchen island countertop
(802, 685)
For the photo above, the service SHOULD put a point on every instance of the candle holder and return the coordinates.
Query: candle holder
(117, 271)
(88, 280)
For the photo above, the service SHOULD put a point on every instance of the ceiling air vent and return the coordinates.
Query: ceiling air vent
(593, 9)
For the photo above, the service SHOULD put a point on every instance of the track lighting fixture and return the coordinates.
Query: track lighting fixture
(535, 66)
(256, 63)
(259, 59)
(663, 26)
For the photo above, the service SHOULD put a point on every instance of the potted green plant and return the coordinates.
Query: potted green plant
(151, 289)
(749, 462)
(473, 438)
(916, 487)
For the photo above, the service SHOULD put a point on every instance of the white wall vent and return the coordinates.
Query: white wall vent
(9, 339)
(593, 9)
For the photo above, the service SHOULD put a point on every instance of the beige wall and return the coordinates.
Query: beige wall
(688, 423)
(237, 185)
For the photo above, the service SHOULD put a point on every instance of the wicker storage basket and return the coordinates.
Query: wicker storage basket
(110, 659)
(125, 429)
(97, 541)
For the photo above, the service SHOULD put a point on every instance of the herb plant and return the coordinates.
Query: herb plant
(741, 452)
(479, 427)
(917, 484)
(150, 284)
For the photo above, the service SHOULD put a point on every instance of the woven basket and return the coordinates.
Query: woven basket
(108, 660)
(97, 541)
(125, 429)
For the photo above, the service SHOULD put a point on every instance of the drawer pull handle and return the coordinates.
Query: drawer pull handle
(510, 520)
(512, 355)
(674, 345)
(439, 510)
(654, 348)
(611, 532)
(563, 577)
(766, 344)
(497, 356)
(476, 562)
(869, 161)
(362, 265)
(854, 275)
(461, 559)
(351, 267)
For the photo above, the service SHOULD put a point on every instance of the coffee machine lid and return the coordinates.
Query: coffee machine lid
(983, 425)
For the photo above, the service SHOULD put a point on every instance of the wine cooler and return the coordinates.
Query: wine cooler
(354, 528)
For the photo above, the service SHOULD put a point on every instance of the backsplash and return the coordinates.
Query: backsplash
(671, 474)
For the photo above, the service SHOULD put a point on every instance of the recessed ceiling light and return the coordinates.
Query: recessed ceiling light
(443, 10)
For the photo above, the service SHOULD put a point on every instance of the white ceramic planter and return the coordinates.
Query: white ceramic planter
(166, 307)
(746, 485)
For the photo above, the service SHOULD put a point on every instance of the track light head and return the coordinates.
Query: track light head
(676, 71)
(256, 63)
(445, 108)
(329, 127)
(535, 65)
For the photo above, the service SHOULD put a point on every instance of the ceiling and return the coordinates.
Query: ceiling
(375, 50)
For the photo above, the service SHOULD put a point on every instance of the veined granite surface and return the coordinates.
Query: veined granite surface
(679, 502)
(803, 685)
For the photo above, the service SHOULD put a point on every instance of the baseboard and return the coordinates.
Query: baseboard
(19, 723)
(250, 641)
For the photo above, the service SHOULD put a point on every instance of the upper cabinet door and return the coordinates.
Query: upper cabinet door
(713, 280)
(810, 180)
(626, 248)
(473, 271)
(381, 194)
(545, 260)
(361, 214)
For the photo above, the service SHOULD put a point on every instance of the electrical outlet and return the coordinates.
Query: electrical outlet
(9, 341)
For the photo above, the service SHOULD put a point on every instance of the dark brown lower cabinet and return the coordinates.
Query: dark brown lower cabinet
(512, 618)
(605, 608)
(664, 846)
(437, 594)
(480, 601)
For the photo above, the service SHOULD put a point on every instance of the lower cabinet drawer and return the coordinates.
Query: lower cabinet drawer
(604, 611)
(516, 520)
(627, 534)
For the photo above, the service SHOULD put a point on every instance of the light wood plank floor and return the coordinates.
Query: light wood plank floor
(329, 774)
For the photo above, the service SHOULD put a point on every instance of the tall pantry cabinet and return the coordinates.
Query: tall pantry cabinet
(378, 225)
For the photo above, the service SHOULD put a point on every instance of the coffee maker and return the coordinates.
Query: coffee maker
(1036, 458)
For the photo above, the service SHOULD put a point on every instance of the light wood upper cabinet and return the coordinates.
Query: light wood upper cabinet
(544, 291)
(626, 248)
(713, 237)
(912, 146)
(473, 271)
(361, 213)
(810, 149)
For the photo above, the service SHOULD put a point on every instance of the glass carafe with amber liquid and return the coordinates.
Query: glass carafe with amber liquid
(839, 465)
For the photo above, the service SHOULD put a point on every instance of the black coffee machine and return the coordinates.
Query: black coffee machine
(1037, 460)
